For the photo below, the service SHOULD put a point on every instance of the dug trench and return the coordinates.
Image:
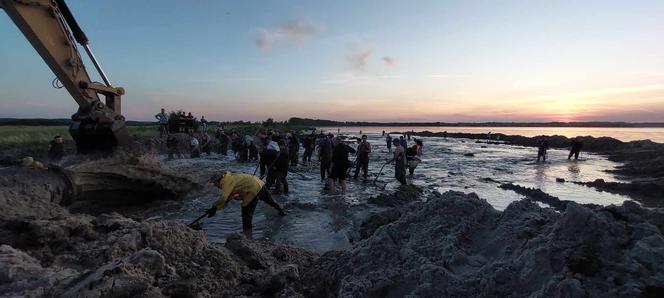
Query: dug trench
(424, 244)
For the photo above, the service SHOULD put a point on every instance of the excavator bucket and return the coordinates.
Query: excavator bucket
(94, 137)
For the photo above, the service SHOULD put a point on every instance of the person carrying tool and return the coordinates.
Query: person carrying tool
(247, 189)
(362, 159)
(163, 123)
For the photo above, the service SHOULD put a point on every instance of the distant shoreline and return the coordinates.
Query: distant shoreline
(331, 123)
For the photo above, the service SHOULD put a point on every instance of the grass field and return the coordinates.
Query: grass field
(41, 135)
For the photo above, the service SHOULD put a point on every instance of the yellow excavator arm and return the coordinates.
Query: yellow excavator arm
(48, 25)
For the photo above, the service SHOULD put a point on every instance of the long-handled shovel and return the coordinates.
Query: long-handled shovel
(379, 172)
(196, 225)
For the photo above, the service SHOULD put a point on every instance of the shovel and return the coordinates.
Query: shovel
(381, 171)
(196, 224)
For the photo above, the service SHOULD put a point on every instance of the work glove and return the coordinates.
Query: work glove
(211, 212)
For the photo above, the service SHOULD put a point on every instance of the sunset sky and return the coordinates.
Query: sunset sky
(361, 60)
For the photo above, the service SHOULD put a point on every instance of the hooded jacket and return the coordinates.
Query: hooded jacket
(247, 186)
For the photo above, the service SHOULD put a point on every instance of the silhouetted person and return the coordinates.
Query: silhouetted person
(325, 155)
(172, 147)
(163, 123)
(56, 148)
(195, 146)
(223, 141)
(399, 160)
(577, 144)
(253, 151)
(279, 171)
(541, 150)
(388, 141)
(339, 164)
(206, 143)
(309, 146)
(293, 148)
(362, 160)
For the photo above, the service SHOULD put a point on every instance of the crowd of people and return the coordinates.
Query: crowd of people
(275, 152)
(182, 122)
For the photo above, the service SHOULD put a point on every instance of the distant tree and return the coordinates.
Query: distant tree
(269, 122)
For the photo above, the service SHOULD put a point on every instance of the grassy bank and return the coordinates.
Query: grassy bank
(32, 135)
(41, 135)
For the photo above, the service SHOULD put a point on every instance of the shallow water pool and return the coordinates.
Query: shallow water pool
(322, 221)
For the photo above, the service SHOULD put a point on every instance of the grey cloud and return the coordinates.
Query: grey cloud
(389, 61)
(359, 58)
(298, 31)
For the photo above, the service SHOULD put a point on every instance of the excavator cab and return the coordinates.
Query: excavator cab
(52, 30)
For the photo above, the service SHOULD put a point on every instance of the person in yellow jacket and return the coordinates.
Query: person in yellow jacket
(245, 188)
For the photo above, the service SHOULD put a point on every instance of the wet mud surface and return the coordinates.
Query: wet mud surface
(377, 240)
(321, 221)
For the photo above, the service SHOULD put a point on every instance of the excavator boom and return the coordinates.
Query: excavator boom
(48, 26)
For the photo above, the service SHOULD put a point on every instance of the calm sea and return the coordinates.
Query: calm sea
(655, 134)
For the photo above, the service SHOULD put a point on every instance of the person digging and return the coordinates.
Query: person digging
(247, 189)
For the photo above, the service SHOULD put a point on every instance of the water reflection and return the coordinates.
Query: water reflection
(574, 169)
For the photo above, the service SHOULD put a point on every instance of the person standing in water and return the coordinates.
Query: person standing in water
(293, 148)
(247, 189)
(412, 156)
(577, 144)
(339, 164)
(403, 141)
(362, 159)
(325, 155)
(399, 160)
(541, 150)
(309, 146)
(388, 141)
(279, 171)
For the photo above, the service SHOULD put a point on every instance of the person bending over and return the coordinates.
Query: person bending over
(247, 189)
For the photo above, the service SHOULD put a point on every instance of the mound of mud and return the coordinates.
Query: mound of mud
(35, 193)
(112, 256)
(405, 194)
(125, 182)
(536, 194)
(458, 245)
